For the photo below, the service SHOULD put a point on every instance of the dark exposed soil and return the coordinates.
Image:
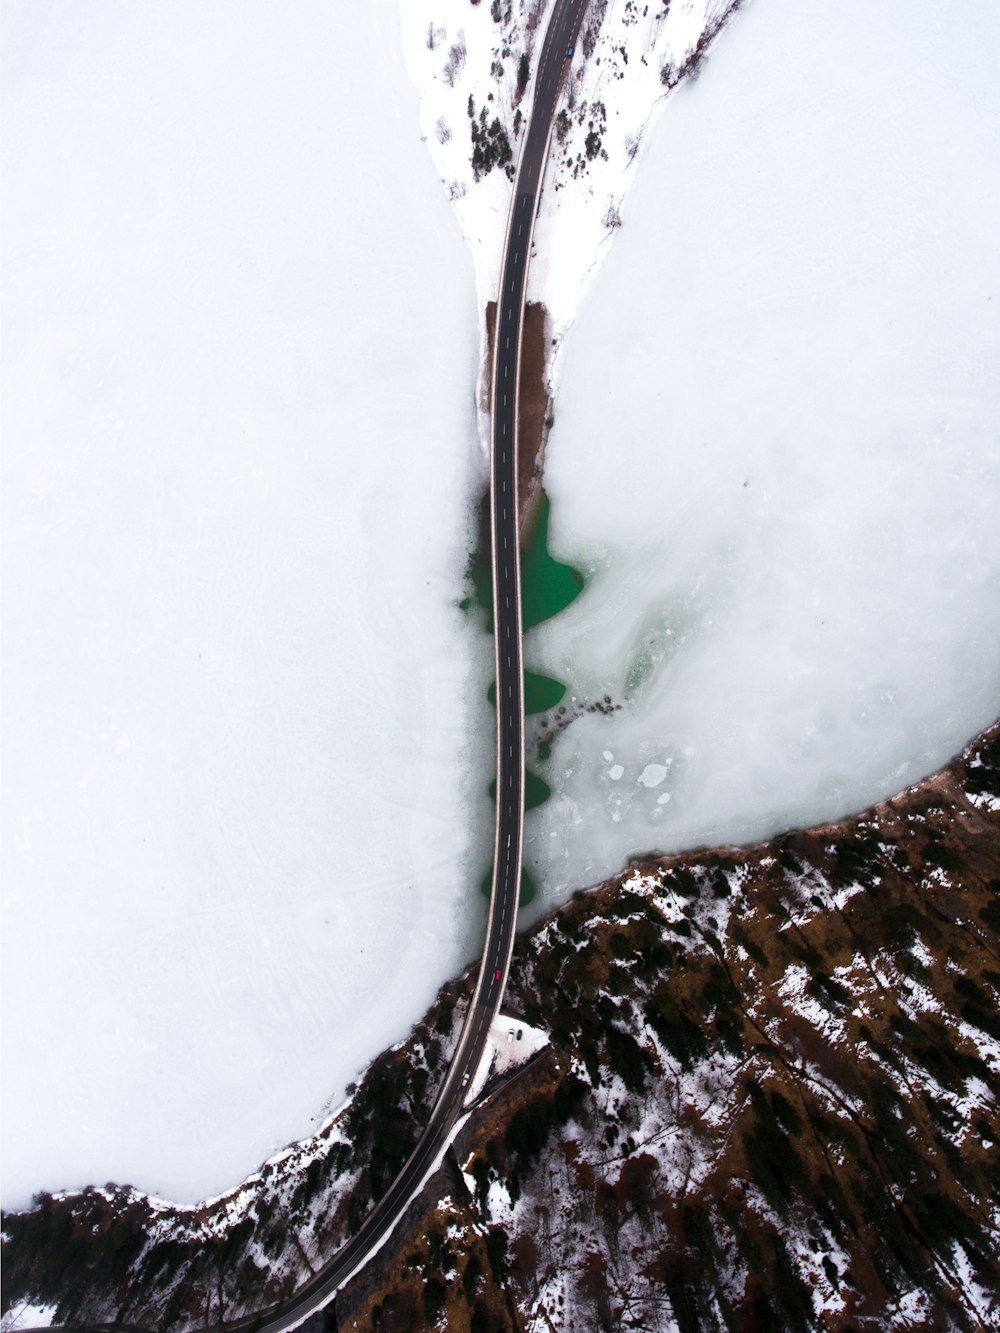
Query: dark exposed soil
(534, 403)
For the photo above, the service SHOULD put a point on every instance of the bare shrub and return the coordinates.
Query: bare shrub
(455, 62)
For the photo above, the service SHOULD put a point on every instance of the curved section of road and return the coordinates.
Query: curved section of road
(560, 39)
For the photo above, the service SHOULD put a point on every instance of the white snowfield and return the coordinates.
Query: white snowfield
(241, 462)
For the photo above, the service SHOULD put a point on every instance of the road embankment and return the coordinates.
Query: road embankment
(534, 401)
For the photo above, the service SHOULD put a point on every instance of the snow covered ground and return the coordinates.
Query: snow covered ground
(241, 347)
(511, 1043)
(776, 449)
(776, 446)
(465, 60)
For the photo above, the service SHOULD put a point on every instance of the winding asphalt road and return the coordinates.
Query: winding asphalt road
(553, 66)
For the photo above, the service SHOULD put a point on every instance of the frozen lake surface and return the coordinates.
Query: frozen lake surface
(242, 782)
(776, 446)
(241, 456)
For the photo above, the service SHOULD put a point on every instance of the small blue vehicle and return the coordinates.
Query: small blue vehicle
(569, 53)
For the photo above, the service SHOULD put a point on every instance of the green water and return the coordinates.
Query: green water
(548, 586)
(527, 891)
(536, 790)
(540, 692)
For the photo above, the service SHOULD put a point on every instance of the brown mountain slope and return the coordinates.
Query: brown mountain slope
(776, 1104)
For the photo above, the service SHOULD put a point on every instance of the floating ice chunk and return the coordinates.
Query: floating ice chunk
(615, 772)
(652, 775)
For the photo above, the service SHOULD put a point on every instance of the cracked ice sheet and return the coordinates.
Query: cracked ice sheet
(775, 452)
(452, 50)
(237, 688)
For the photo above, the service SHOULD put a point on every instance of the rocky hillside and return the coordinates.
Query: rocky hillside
(770, 1102)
